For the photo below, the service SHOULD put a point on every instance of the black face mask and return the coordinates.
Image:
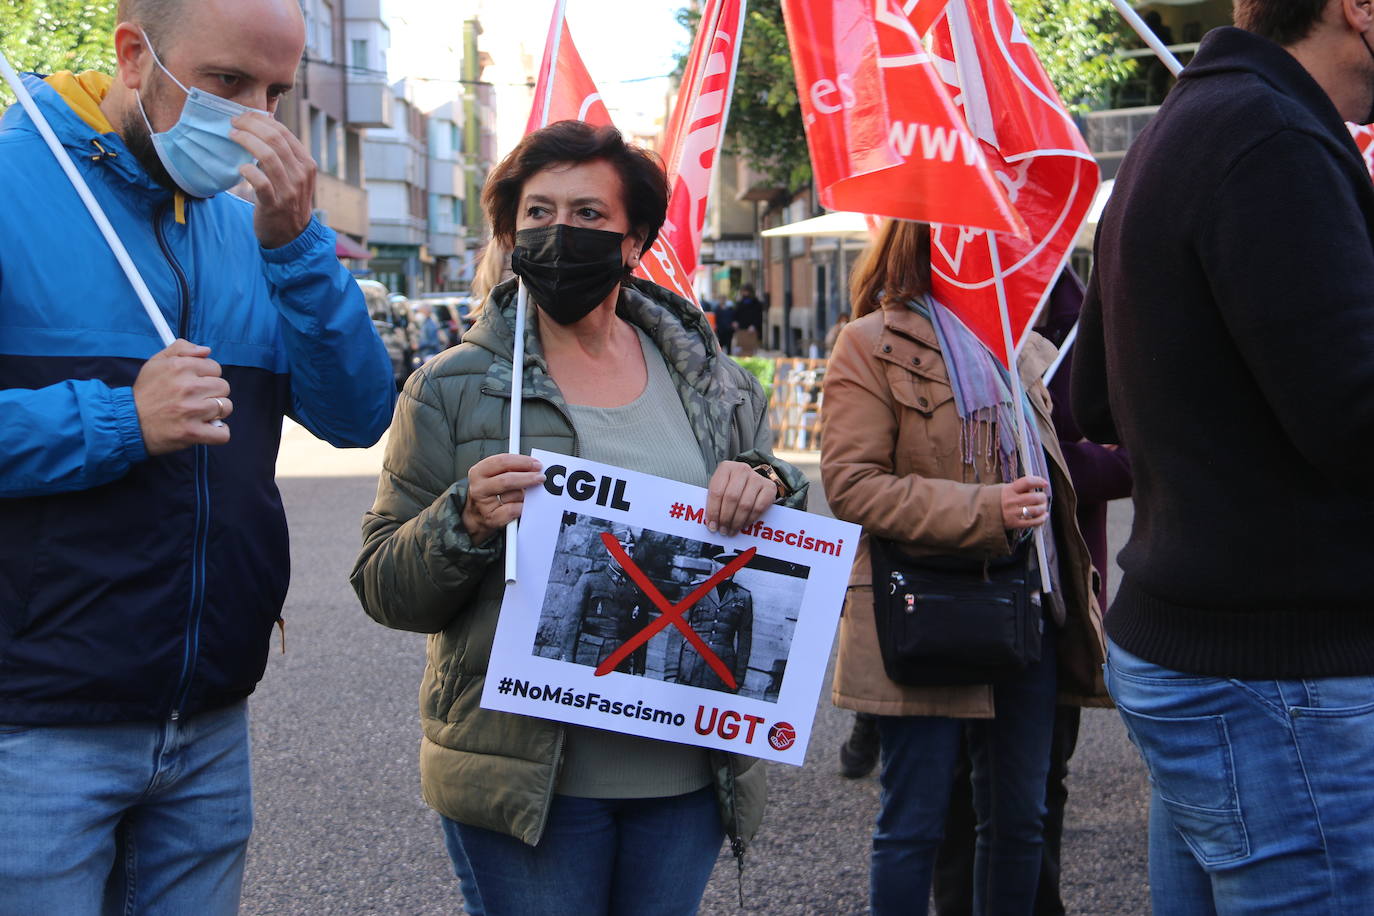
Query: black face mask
(568, 270)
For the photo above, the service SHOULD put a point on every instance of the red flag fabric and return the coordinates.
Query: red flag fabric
(1039, 156)
(885, 137)
(1364, 139)
(692, 141)
(565, 91)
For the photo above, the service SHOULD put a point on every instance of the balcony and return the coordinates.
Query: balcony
(397, 230)
(445, 177)
(369, 99)
(345, 204)
(446, 241)
(752, 185)
(1110, 133)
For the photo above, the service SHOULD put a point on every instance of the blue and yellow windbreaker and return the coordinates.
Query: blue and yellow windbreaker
(136, 588)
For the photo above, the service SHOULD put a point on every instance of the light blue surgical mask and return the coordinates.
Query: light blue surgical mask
(197, 151)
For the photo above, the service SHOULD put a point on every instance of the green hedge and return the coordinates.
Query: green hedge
(761, 368)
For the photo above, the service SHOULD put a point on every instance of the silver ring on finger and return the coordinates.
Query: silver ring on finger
(1025, 512)
(499, 501)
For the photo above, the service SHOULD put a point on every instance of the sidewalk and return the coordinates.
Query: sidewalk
(302, 455)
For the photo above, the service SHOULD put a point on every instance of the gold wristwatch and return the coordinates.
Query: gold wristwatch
(766, 471)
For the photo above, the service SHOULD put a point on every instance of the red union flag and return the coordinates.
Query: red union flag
(1364, 139)
(885, 137)
(565, 91)
(1039, 156)
(692, 143)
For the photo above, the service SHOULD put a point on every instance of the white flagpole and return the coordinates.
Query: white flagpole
(517, 386)
(1018, 397)
(121, 254)
(1144, 31)
(517, 373)
(1063, 352)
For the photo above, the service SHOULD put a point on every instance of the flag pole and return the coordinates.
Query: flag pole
(164, 331)
(1018, 397)
(1063, 353)
(517, 391)
(517, 369)
(1145, 32)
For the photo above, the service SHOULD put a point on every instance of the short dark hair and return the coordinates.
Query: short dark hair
(157, 17)
(1286, 22)
(570, 142)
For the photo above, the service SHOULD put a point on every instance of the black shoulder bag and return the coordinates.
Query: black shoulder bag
(952, 620)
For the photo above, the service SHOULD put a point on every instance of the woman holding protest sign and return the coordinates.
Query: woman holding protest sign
(555, 818)
(919, 447)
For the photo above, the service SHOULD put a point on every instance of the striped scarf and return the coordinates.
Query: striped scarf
(982, 397)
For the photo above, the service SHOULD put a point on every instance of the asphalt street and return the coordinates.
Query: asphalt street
(341, 828)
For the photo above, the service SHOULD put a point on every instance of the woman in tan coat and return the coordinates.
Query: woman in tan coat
(919, 449)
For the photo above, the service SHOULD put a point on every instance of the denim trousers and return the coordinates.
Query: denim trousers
(630, 856)
(125, 818)
(1010, 756)
(1262, 790)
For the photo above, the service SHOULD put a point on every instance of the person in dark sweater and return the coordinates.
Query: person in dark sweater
(1228, 340)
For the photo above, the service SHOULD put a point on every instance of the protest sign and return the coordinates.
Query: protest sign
(630, 615)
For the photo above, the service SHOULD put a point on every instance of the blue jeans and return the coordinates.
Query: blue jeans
(144, 817)
(632, 856)
(1262, 790)
(1011, 758)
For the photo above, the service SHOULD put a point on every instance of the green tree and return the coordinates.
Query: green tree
(1074, 39)
(45, 36)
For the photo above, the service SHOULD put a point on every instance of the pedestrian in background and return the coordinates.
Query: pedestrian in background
(143, 546)
(917, 449)
(427, 344)
(833, 334)
(1228, 341)
(748, 321)
(725, 325)
(548, 818)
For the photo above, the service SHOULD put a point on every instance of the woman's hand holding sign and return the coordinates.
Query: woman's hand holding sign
(496, 493)
(737, 497)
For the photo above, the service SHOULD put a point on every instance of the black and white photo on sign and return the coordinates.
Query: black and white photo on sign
(592, 607)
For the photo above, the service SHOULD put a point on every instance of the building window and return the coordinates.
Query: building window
(317, 135)
(353, 158)
(359, 55)
(331, 142)
(324, 41)
(455, 138)
(458, 219)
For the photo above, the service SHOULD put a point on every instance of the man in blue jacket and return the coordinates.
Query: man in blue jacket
(143, 547)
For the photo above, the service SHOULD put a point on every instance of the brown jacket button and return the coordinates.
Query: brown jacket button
(915, 360)
(887, 348)
(923, 402)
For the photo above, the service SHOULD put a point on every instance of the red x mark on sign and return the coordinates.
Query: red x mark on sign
(671, 613)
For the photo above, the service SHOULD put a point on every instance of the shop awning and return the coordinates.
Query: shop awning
(839, 224)
(345, 247)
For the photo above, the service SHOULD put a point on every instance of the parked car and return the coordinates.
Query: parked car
(391, 318)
